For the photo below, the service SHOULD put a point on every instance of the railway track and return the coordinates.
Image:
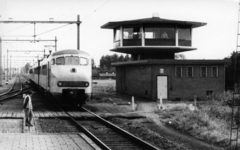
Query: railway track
(107, 135)
(112, 136)
(16, 89)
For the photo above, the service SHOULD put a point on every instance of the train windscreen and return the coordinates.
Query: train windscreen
(71, 60)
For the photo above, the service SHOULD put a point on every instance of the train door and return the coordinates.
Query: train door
(162, 87)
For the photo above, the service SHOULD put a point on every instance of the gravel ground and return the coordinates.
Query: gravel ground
(148, 135)
(57, 126)
(11, 126)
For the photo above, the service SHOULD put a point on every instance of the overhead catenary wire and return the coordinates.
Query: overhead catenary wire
(52, 30)
(13, 29)
(60, 37)
(96, 10)
(70, 9)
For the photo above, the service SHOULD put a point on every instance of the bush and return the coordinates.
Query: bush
(223, 97)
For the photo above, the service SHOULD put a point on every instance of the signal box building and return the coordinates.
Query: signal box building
(154, 72)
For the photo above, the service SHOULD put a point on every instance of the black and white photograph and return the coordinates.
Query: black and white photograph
(119, 74)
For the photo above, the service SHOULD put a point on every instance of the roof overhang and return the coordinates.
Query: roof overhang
(154, 20)
(172, 62)
(152, 49)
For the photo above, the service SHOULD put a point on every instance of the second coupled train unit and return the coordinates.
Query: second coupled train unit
(67, 74)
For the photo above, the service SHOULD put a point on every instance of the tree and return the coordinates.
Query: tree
(27, 67)
(180, 56)
(127, 58)
(105, 61)
(121, 58)
(232, 72)
(93, 63)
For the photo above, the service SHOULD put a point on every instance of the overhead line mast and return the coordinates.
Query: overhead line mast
(51, 21)
(235, 117)
(78, 22)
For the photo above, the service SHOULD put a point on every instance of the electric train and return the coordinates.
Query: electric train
(67, 74)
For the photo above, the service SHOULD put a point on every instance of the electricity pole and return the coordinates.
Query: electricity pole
(1, 71)
(51, 21)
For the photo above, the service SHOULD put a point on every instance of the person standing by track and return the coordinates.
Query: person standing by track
(28, 108)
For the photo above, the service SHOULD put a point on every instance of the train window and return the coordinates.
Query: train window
(83, 61)
(44, 70)
(60, 61)
(36, 70)
(53, 61)
(30, 71)
(72, 60)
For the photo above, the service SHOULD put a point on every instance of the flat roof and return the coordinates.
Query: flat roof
(69, 51)
(173, 62)
(152, 49)
(153, 20)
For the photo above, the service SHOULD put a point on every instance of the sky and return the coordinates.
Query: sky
(216, 40)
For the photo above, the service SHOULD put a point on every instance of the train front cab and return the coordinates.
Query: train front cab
(74, 82)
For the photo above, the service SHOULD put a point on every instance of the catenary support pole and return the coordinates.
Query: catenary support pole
(1, 69)
(55, 43)
(38, 73)
(7, 68)
(10, 68)
(4, 67)
(78, 32)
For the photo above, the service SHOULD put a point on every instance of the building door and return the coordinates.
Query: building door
(162, 87)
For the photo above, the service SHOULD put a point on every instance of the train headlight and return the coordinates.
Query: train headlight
(59, 84)
(86, 84)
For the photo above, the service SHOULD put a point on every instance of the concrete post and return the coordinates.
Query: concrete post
(160, 102)
(133, 105)
(160, 99)
(195, 100)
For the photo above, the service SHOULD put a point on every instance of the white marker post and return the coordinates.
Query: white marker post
(160, 102)
(133, 105)
(195, 100)
(160, 96)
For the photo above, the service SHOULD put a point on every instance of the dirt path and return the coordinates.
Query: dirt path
(148, 109)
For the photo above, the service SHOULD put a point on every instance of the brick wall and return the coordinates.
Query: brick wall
(141, 81)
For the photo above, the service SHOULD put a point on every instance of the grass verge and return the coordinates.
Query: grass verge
(210, 122)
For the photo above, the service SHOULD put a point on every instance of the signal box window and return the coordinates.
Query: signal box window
(184, 36)
(132, 33)
(159, 33)
(214, 71)
(83, 61)
(189, 71)
(117, 34)
(60, 61)
(156, 36)
(178, 72)
(203, 72)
